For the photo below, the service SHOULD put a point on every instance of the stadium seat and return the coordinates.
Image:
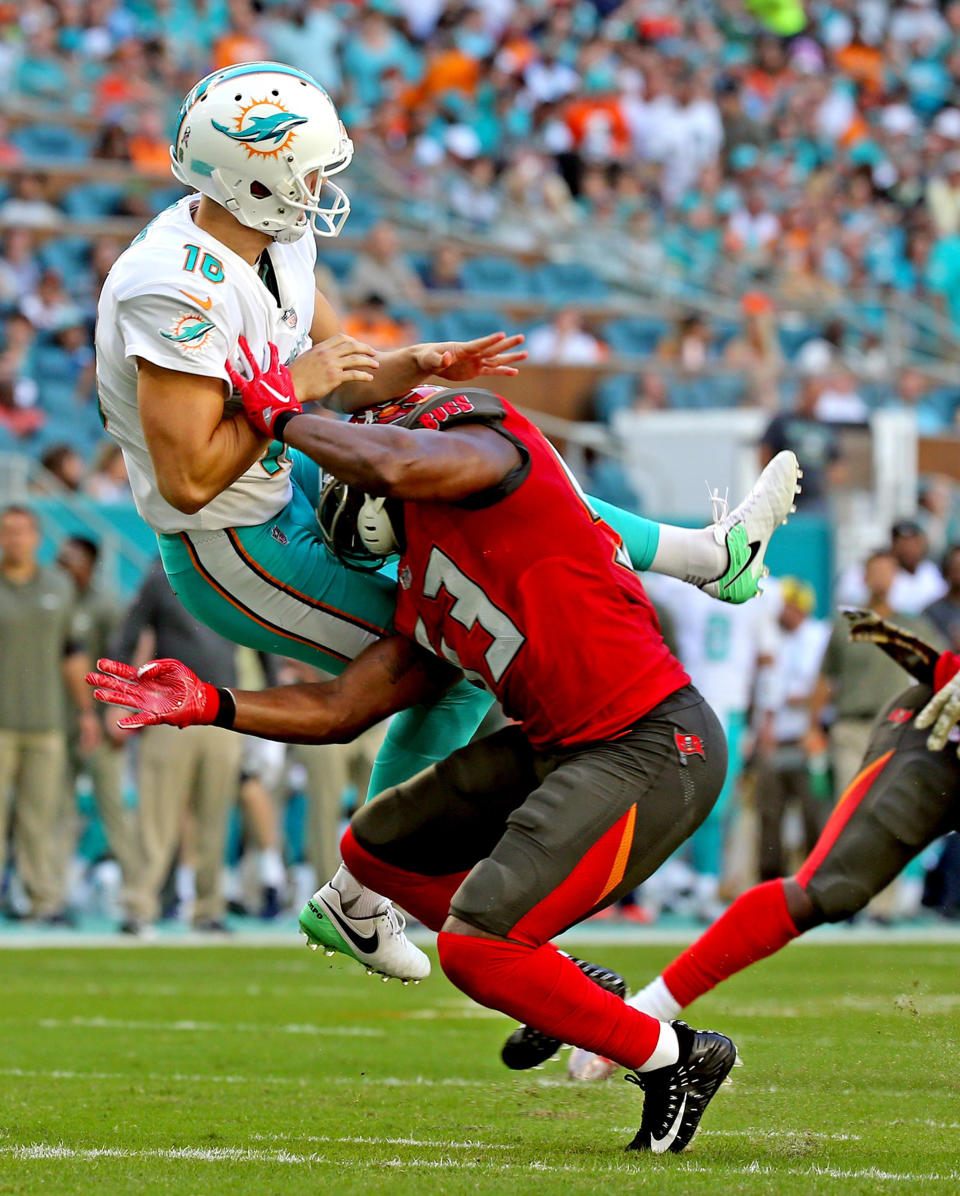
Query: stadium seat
(68, 255)
(723, 390)
(944, 400)
(496, 275)
(792, 337)
(52, 364)
(723, 332)
(569, 282)
(465, 325)
(89, 201)
(338, 261)
(612, 395)
(59, 143)
(364, 214)
(636, 336)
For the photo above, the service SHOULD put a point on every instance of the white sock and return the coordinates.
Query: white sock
(657, 1000)
(355, 899)
(666, 1051)
(186, 884)
(692, 554)
(273, 875)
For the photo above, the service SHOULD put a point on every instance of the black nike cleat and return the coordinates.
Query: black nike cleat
(675, 1097)
(527, 1047)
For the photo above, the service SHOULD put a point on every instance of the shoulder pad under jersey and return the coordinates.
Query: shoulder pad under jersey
(449, 407)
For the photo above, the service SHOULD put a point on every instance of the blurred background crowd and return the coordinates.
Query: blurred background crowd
(721, 241)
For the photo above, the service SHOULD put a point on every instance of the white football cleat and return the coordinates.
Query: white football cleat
(588, 1067)
(747, 530)
(377, 940)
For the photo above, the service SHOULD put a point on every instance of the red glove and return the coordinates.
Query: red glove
(948, 665)
(265, 395)
(163, 691)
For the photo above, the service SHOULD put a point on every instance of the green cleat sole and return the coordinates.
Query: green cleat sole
(320, 931)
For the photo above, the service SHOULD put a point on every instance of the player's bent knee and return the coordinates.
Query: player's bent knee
(490, 899)
(375, 822)
(836, 901)
(803, 913)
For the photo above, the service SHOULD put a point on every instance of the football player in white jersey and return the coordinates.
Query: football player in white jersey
(234, 514)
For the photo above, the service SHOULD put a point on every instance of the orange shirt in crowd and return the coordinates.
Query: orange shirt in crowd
(237, 47)
(149, 156)
(450, 70)
(382, 333)
(864, 64)
(581, 114)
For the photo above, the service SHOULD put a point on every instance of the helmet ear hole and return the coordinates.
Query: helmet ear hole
(259, 190)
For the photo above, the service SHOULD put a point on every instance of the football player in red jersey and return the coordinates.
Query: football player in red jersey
(905, 797)
(507, 576)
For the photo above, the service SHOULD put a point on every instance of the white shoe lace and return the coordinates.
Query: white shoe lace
(719, 503)
(395, 920)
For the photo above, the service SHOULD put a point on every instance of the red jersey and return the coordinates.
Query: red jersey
(530, 593)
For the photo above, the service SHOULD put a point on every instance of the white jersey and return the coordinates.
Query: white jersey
(718, 643)
(180, 298)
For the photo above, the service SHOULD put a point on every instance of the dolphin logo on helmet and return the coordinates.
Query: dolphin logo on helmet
(275, 127)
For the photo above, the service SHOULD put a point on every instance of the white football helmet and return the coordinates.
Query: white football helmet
(250, 135)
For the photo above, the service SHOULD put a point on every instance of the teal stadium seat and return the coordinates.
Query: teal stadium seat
(635, 336)
(613, 394)
(68, 255)
(496, 276)
(90, 201)
(54, 142)
(465, 325)
(570, 282)
(791, 338)
(338, 261)
(364, 214)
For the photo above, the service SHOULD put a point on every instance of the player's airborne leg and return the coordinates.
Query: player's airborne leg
(724, 559)
(904, 798)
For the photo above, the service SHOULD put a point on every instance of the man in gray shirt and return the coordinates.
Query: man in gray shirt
(37, 654)
(198, 767)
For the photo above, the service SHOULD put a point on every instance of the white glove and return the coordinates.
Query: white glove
(944, 707)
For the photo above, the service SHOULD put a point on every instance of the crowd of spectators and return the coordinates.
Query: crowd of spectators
(807, 175)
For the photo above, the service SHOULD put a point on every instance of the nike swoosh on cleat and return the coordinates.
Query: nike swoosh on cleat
(659, 1145)
(206, 304)
(366, 943)
(754, 547)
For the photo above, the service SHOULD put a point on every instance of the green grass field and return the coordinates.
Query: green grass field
(268, 1070)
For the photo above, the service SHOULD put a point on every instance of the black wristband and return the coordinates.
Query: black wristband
(281, 422)
(227, 711)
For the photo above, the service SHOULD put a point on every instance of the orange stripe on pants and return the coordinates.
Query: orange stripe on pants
(853, 795)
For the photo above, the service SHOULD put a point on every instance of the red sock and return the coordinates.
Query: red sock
(427, 898)
(755, 926)
(540, 986)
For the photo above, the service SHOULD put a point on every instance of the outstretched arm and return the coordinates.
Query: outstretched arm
(389, 676)
(383, 459)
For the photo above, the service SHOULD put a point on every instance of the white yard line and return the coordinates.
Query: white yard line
(44, 1151)
(305, 1029)
(300, 1081)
